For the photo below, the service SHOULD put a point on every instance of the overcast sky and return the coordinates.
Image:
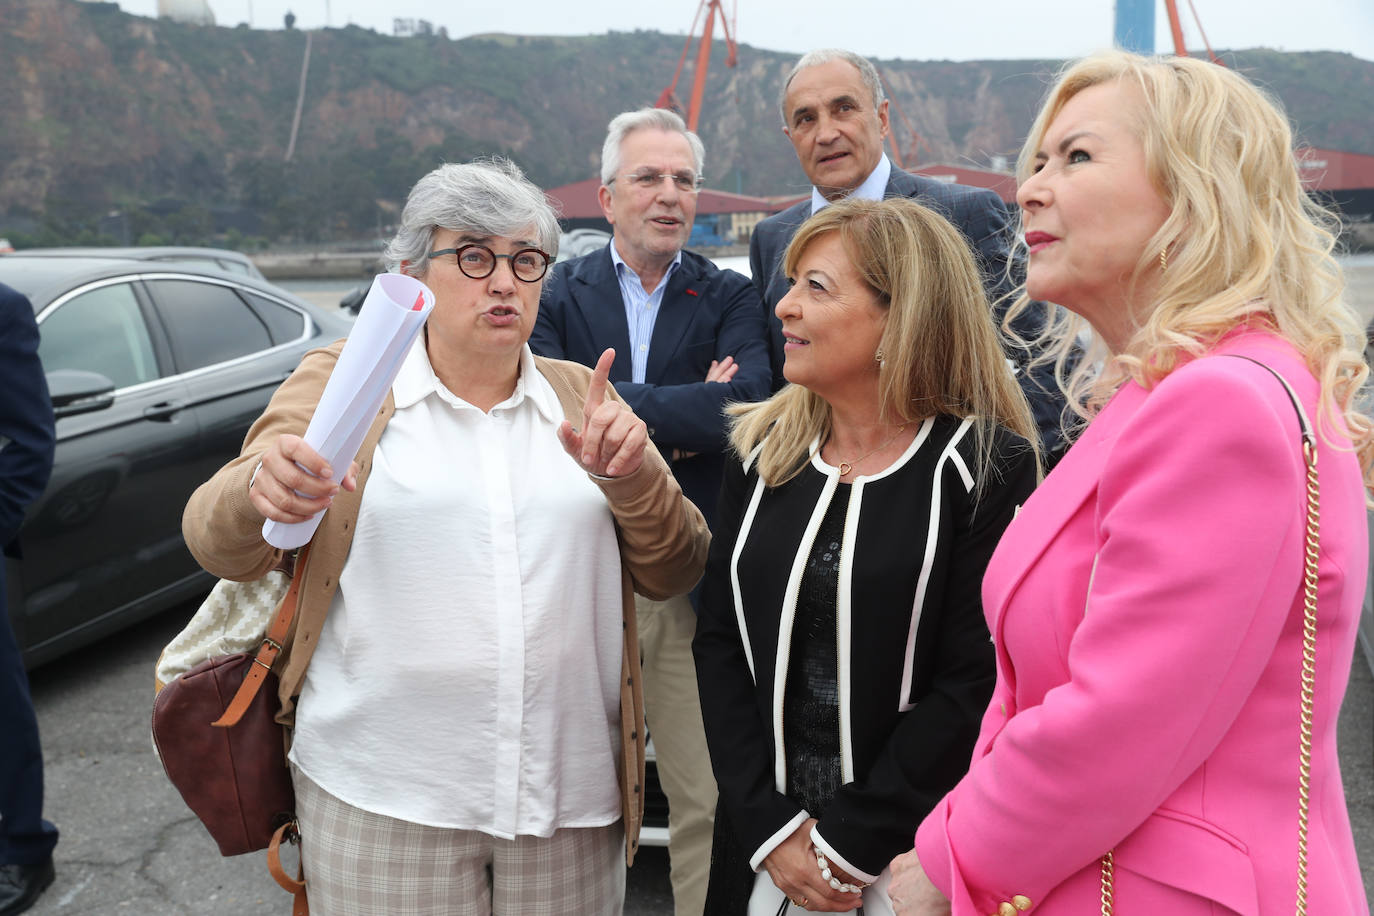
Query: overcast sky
(910, 29)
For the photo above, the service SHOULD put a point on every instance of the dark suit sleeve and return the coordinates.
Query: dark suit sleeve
(987, 222)
(873, 819)
(988, 225)
(766, 247)
(549, 337)
(691, 416)
(26, 418)
(758, 272)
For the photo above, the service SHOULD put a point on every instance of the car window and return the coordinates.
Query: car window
(101, 330)
(283, 322)
(207, 323)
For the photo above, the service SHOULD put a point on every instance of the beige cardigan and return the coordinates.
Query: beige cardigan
(662, 537)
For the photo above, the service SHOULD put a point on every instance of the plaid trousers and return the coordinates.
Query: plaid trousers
(358, 863)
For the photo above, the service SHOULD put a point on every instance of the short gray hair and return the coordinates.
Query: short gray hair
(867, 72)
(485, 196)
(622, 125)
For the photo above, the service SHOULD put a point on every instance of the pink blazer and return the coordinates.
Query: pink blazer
(1146, 609)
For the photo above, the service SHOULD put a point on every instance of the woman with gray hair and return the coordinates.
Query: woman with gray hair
(462, 681)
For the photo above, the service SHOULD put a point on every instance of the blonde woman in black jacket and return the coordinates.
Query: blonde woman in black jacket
(842, 656)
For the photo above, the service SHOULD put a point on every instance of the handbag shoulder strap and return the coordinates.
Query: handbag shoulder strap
(1308, 686)
(272, 644)
(1308, 437)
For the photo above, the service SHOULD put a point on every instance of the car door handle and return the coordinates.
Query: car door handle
(164, 410)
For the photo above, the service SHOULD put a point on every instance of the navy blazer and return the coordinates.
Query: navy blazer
(26, 418)
(706, 314)
(984, 220)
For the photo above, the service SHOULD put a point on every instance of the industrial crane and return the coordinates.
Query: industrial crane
(668, 98)
(1176, 30)
(908, 161)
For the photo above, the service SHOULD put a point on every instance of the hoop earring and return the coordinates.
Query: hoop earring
(1164, 259)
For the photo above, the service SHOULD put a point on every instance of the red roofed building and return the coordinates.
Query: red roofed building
(577, 205)
(1340, 178)
(1345, 180)
(1002, 183)
(1333, 170)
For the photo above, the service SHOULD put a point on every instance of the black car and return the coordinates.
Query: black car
(232, 262)
(156, 373)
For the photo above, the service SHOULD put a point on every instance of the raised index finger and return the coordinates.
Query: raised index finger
(596, 391)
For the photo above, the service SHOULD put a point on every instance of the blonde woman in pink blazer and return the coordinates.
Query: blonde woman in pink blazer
(1146, 604)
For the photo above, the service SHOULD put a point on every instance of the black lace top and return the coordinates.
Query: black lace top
(811, 699)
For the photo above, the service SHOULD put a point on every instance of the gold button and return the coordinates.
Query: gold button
(1006, 909)
(1021, 902)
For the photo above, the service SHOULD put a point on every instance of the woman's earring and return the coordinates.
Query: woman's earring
(1164, 259)
(878, 357)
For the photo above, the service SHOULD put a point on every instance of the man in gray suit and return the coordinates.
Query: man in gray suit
(836, 116)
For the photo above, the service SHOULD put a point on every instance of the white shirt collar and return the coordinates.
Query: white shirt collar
(873, 187)
(417, 381)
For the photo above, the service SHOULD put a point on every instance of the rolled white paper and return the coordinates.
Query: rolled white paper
(388, 323)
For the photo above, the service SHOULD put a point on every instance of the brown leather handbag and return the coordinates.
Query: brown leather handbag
(216, 733)
(232, 773)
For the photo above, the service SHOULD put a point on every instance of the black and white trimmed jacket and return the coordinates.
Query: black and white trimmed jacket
(915, 661)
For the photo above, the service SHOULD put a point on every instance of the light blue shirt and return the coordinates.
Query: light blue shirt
(641, 309)
(873, 188)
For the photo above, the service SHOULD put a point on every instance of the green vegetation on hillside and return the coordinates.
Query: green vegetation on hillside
(124, 128)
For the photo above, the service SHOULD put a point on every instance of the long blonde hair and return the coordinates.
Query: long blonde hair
(942, 354)
(1243, 238)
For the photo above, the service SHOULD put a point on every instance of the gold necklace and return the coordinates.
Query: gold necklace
(847, 466)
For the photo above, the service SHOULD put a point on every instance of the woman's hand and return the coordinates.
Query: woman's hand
(792, 866)
(611, 442)
(294, 482)
(911, 892)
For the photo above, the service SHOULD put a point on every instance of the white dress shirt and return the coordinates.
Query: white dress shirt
(468, 672)
(873, 187)
(641, 309)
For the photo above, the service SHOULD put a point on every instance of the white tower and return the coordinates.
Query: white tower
(194, 12)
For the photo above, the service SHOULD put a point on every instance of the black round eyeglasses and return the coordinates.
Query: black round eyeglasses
(478, 261)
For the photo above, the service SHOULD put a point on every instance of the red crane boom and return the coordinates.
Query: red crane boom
(908, 161)
(668, 97)
(1176, 30)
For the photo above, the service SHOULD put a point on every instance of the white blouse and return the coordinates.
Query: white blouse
(468, 673)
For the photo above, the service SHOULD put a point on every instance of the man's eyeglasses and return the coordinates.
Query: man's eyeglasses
(685, 181)
(478, 262)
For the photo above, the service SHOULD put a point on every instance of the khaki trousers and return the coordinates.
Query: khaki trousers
(672, 708)
(358, 863)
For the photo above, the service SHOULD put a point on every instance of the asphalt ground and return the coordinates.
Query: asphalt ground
(129, 845)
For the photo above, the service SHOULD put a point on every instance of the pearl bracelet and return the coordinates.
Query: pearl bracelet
(835, 883)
